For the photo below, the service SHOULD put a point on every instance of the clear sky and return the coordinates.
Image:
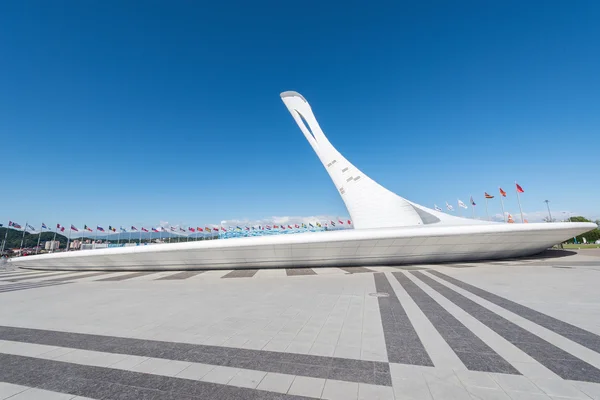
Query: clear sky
(122, 112)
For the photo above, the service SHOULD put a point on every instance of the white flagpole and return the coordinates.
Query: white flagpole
(160, 235)
(472, 206)
(23, 238)
(54, 240)
(519, 201)
(5, 238)
(486, 209)
(140, 237)
(130, 236)
(39, 238)
(502, 205)
(96, 237)
(69, 239)
(119, 237)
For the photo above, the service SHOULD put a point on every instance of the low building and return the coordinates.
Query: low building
(52, 245)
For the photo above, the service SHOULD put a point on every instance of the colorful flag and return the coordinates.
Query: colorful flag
(191, 230)
(332, 223)
(112, 228)
(27, 226)
(133, 228)
(436, 208)
(319, 225)
(461, 204)
(488, 196)
(223, 229)
(181, 229)
(473, 201)
(73, 228)
(199, 229)
(349, 222)
(14, 225)
(502, 192)
(99, 228)
(282, 226)
(247, 228)
(340, 221)
(290, 227)
(154, 230)
(123, 229)
(60, 227)
(449, 207)
(296, 226)
(44, 226)
(173, 229)
(144, 229)
(216, 229)
(311, 225)
(519, 188)
(87, 228)
(162, 228)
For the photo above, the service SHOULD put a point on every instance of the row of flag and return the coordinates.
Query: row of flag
(487, 196)
(197, 229)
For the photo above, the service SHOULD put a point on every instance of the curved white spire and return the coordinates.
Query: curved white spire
(370, 205)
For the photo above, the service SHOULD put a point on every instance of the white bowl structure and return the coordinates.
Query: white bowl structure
(388, 230)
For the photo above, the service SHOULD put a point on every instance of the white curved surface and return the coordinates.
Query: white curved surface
(388, 230)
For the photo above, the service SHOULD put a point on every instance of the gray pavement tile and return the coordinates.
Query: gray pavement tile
(8, 389)
(247, 378)
(180, 275)
(337, 390)
(305, 386)
(124, 276)
(299, 271)
(372, 392)
(275, 382)
(241, 273)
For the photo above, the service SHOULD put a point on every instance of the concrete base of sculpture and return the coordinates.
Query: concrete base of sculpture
(360, 247)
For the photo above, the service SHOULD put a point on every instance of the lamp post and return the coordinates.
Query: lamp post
(549, 214)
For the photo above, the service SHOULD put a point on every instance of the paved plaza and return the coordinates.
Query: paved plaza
(525, 329)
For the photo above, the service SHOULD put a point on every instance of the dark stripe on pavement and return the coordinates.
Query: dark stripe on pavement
(299, 271)
(371, 372)
(356, 270)
(576, 334)
(25, 286)
(241, 273)
(555, 359)
(109, 383)
(180, 275)
(37, 276)
(124, 276)
(472, 351)
(401, 340)
(79, 276)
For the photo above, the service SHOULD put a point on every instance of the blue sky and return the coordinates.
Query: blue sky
(119, 113)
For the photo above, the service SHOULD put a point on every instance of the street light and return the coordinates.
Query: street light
(549, 214)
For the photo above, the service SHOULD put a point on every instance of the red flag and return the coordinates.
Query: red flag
(276, 226)
(191, 229)
(488, 196)
(519, 188)
(74, 229)
(215, 229)
(502, 192)
(289, 226)
(144, 229)
(349, 222)
(297, 226)
(223, 229)
(340, 221)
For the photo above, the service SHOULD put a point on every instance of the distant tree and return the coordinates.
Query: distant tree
(591, 236)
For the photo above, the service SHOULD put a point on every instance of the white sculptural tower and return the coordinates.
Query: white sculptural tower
(370, 205)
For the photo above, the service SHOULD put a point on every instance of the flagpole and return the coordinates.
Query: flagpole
(69, 239)
(54, 240)
(140, 237)
(472, 206)
(5, 238)
(38, 243)
(96, 237)
(502, 205)
(130, 236)
(23, 238)
(486, 209)
(518, 200)
(160, 235)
